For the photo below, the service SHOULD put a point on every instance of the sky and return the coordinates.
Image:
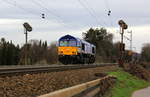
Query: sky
(74, 17)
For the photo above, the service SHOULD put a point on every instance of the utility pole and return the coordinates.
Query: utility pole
(26, 47)
(121, 32)
(27, 28)
(130, 52)
(26, 35)
(123, 26)
(130, 40)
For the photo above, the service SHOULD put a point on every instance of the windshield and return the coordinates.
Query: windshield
(67, 43)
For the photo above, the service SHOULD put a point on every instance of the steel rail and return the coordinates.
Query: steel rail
(40, 69)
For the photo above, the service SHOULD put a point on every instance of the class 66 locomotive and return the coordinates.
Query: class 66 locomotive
(72, 50)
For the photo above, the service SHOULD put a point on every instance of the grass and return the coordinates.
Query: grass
(126, 84)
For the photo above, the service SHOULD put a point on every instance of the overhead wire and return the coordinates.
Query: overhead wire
(70, 25)
(107, 4)
(19, 6)
(89, 11)
(94, 13)
(109, 12)
(13, 3)
(45, 8)
(59, 19)
(127, 38)
(110, 18)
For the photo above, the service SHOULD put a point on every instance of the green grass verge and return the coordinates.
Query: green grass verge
(126, 84)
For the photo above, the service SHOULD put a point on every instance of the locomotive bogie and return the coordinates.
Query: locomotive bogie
(77, 59)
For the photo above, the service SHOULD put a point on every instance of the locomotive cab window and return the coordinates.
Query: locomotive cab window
(83, 46)
(72, 43)
(93, 50)
(67, 42)
(63, 43)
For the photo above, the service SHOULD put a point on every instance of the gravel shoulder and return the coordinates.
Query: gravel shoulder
(142, 93)
(31, 85)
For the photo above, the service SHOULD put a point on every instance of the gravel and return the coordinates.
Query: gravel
(31, 85)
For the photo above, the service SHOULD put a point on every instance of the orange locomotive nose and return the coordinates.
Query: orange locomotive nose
(67, 50)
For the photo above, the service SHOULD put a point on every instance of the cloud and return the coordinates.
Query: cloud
(71, 17)
(140, 36)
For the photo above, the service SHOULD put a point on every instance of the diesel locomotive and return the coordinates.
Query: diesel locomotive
(72, 50)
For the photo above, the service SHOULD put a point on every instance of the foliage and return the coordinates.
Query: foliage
(103, 41)
(146, 52)
(37, 52)
(52, 56)
(9, 53)
(126, 84)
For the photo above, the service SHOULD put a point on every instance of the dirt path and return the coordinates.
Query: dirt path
(142, 93)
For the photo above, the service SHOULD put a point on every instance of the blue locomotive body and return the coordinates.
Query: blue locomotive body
(72, 50)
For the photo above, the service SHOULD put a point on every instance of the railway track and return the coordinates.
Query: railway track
(39, 69)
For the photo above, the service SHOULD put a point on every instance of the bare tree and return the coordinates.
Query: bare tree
(146, 52)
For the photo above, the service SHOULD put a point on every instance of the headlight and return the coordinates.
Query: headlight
(74, 52)
(61, 52)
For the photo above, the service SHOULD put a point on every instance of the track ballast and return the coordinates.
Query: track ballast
(9, 71)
